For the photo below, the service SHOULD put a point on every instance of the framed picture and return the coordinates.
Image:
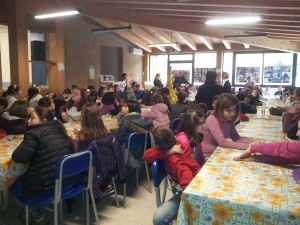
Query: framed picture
(277, 75)
(241, 74)
(107, 79)
(200, 73)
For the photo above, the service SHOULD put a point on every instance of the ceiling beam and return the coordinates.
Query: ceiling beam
(187, 39)
(125, 34)
(227, 44)
(207, 42)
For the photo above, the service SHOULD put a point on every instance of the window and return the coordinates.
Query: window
(298, 71)
(181, 57)
(227, 64)
(5, 63)
(204, 62)
(158, 64)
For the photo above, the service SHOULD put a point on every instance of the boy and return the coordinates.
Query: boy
(178, 161)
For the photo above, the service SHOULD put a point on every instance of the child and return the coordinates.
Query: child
(71, 110)
(220, 129)
(44, 143)
(3, 105)
(182, 167)
(158, 113)
(12, 94)
(92, 127)
(190, 133)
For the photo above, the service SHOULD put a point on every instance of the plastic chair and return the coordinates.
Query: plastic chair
(174, 124)
(159, 174)
(67, 166)
(136, 144)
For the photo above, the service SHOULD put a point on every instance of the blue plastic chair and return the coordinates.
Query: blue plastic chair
(67, 166)
(136, 144)
(159, 174)
(174, 124)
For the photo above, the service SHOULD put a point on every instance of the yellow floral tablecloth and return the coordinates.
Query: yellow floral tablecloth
(227, 192)
(9, 170)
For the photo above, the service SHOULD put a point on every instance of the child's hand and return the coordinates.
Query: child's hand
(245, 156)
(176, 149)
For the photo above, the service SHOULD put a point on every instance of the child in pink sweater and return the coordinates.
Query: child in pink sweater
(220, 129)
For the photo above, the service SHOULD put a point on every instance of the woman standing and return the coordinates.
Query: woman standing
(157, 81)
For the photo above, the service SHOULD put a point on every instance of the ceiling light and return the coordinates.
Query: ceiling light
(170, 44)
(57, 14)
(230, 21)
(246, 35)
(108, 29)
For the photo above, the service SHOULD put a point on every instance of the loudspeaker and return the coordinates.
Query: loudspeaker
(38, 51)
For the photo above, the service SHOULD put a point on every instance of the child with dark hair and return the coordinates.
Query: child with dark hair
(72, 109)
(220, 128)
(47, 102)
(12, 94)
(107, 104)
(181, 106)
(158, 113)
(3, 105)
(245, 107)
(14, 121)
(177, 160)
(33, 96)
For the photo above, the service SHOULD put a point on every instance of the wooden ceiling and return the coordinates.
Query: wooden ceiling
(183, 21)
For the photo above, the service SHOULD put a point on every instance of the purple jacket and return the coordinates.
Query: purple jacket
(159, 115)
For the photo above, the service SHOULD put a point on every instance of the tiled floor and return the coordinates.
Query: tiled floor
(140, 208)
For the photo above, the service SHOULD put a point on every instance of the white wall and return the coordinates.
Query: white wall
(5, 63)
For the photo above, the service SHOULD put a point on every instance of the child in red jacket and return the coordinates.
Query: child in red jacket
(178, 161)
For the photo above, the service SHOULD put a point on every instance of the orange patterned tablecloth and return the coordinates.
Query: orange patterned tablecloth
(227, 192)
(9, 170)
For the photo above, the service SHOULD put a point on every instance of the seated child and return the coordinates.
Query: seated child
(182, 167)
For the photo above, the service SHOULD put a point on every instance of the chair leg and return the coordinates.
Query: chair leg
(148, 177)
(87, 208)
(26, 215)
(60, 212)
(56, 213)
(116, 193)
(124, 195)
(94, 205)
(137, 177)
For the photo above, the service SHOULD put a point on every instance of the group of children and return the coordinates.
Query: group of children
(183, 153)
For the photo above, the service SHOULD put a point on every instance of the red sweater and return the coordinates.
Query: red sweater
(182, 166)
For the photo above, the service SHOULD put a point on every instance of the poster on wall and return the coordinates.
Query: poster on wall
(276, 75)
(107, 79)
(200, 73)
(181, 76)
(243, 72)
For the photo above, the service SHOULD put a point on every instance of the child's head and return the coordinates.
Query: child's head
(182, 96)
(131, 106)
(46, 102)
(157, 98)
(201, 107)
(13, 90)
(192, 123)
(40, 115)
(241, 96)
(214, 101)
(164, 138)
(19, 109)
(32, 91)
(227, 107)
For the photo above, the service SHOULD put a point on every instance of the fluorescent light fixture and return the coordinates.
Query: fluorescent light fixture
(108, 29)
(246, 35)
(57, 14)
(230, 21)
(246, 45)
(170, 44)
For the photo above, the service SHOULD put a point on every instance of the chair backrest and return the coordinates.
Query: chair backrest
(136, 143)
(159, 174)
(174, 124)
(72, 165)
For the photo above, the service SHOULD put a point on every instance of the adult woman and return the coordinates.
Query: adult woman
(157, 81)
(226, 82)
(44, 142)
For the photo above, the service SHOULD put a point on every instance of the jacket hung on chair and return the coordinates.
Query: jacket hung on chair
(43, 144)
(109, 160)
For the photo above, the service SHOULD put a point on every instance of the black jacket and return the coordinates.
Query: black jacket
(207, 91)
(43, 144)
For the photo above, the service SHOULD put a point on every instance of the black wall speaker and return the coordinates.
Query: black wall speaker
(38, 51)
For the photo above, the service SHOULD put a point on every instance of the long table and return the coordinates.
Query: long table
(228, 192)
(232, 192)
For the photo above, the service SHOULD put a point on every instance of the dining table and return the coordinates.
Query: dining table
(228, 192)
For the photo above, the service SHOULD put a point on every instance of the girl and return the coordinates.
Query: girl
(191, 128)
(33, 96)
(92, 127)
(219, 127)
(14, 121)
(226, 82)
(12, 94)
(71, 110)
(158, 113)
(44, 143)
(47, 102)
